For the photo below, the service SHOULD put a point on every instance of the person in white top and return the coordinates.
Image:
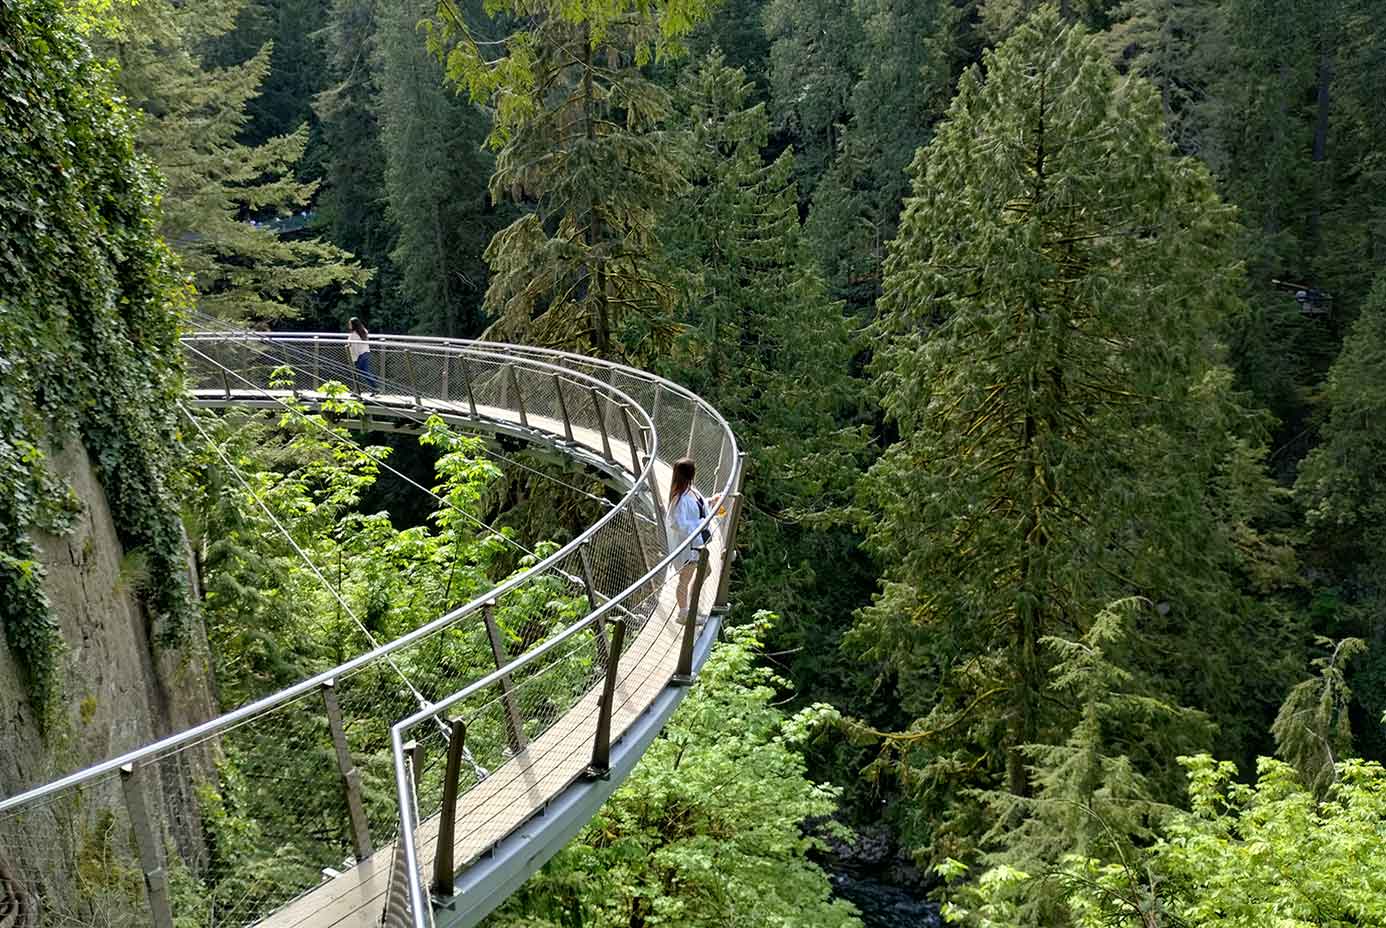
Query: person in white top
(687, 510)
(358, 345)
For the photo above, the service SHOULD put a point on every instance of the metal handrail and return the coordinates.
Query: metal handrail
(236, 716)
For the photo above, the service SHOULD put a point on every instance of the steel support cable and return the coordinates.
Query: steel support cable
(380, 461)
(291, 351)
(336, 436)
(370, 638)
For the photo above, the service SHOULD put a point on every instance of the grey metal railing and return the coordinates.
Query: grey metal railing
(142, 837)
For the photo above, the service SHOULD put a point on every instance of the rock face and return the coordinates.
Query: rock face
(119, 691)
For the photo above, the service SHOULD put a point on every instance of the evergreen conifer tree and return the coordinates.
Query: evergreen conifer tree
(1068, 434)
(436, 171)
(217, 186)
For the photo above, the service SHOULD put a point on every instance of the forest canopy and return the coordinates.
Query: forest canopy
(1054, 334)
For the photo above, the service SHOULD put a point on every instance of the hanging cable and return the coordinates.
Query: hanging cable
(370, 638)
(290, 352)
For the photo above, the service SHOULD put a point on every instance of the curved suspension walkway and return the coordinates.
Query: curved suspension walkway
(459, 756)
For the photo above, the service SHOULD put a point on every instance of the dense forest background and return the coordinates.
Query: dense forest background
(1056, 337)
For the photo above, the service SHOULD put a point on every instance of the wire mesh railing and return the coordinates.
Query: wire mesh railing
(269, 808)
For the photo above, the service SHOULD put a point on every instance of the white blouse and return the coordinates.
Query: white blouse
(684, 518)
(357, 346)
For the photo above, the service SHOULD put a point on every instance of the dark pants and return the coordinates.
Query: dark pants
(363, 364)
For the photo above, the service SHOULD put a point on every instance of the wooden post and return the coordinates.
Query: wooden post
(444, 872)
(413, 381)
(683, 675)
(351, 777)
(600, 767)
(598, 628)
(519, 399)
(155, 878)
(720, 602)
(467, 382)
(630, 441)
(563, 407)
(512, 714)
(601, 424)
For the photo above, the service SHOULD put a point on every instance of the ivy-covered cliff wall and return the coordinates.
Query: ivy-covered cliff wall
(102, 650)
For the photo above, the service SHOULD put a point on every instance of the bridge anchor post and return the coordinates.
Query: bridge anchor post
(444, 872)
(155, 877)
(683, 675)
(600, 767)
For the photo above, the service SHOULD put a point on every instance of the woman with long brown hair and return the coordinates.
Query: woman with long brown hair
(687, 510)
(358, 346)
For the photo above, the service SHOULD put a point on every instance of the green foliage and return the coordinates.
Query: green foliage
(707, 829)
(1068, 436)
(1338, 480)
(88, 329)
(1244, 856)
(1312, 729)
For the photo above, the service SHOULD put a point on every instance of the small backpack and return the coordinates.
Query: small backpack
(705, 535)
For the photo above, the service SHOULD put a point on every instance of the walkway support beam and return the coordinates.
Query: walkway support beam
(151, 858)
(351, 777)
(721, 602)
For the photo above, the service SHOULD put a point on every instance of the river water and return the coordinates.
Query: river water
(883, 905)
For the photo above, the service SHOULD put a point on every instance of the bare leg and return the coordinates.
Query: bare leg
(686, 573)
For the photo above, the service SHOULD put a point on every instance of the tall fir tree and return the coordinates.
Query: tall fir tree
(1068, 434)
(578, 126)
(219, 191)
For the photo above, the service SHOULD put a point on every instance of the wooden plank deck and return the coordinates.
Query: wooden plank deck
(529, 780)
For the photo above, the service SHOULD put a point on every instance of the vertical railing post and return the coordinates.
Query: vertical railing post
(317, 362)
(225, 382)
(444, 873)
(598, 628)
(630, 440)
(683, 675)
(413, 380)
(512, 714)
(639, 541)
(519, 398)
(563, 407)
(356, 374)
(351, 777)
(720, 602)
(601, 423)
(467, 383)
(600, 767)
(446, 365)
(654, 407)
(155, 877)
(692, 431)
